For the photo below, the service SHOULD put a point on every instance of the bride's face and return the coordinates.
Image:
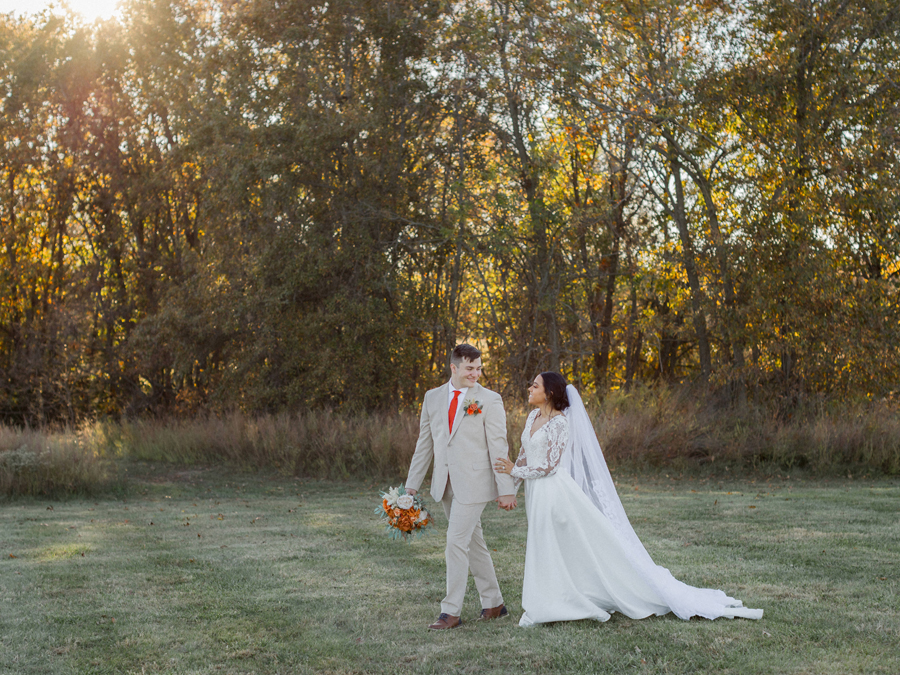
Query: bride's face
(536, 393)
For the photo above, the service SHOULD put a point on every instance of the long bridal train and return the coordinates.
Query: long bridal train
(583, 559)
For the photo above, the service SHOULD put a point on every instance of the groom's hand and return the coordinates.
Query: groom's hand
(506, 502)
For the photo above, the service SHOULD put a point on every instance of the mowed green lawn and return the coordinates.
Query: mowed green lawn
(201, 572)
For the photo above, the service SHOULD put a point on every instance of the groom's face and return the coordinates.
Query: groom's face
(466, 374)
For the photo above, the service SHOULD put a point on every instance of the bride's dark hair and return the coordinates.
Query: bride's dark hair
(555, 389)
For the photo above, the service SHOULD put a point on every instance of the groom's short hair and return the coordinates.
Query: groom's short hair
(464, 352)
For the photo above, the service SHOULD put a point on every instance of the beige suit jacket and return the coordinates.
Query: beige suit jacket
(465, 456)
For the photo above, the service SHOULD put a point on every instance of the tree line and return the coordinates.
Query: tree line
(281, 204)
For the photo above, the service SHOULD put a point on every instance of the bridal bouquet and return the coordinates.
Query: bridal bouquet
(404, 515)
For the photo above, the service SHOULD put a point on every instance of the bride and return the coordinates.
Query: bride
(583, 560)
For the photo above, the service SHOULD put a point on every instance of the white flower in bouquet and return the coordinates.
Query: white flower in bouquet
(403, 514)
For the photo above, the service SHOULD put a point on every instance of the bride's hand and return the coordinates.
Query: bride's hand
(503, 465)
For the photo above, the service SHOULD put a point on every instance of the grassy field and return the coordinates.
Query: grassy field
(197, 571)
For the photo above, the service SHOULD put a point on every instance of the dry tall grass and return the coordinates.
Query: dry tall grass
(44, 462)
(646, 428)
(668, 426)
(317, 444)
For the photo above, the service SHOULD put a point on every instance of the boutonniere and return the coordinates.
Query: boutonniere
(473, 407)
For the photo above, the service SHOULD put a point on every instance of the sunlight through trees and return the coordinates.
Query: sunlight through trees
(279, 204)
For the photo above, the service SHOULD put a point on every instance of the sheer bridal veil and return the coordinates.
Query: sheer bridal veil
(583, 461)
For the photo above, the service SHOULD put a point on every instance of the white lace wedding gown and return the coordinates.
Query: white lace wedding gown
(582, 558)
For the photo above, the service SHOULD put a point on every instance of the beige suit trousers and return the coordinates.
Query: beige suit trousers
(466, 551)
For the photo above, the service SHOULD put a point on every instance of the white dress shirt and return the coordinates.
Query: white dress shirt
(459, 401)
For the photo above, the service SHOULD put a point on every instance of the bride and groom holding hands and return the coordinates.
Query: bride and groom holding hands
(583, 560)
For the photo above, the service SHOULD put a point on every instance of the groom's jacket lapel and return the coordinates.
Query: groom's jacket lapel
(443, 409)
(440, 408)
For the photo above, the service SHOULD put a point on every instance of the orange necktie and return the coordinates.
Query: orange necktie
(453, 409)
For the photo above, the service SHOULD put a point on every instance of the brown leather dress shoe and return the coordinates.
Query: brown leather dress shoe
(493, 613)
(445, 621)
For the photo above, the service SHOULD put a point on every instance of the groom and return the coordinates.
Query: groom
(463, 428)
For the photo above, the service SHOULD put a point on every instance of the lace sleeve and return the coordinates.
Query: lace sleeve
(557, 435)
(522, 460)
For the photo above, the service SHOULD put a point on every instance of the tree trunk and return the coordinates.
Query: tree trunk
(546, 297)
(704, 184)
(633, 339)
(687, 247)
(606, 318)
(732, 331)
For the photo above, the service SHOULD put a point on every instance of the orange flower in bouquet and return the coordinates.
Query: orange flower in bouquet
(404, 515)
